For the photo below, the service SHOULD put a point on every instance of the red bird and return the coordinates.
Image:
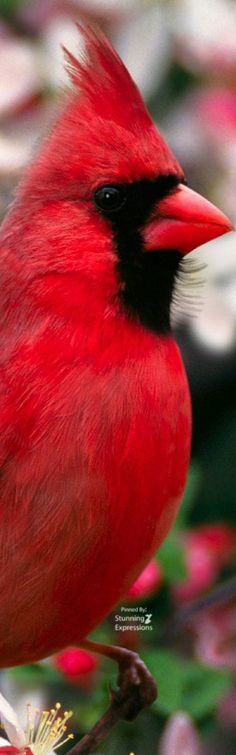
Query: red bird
(95, 410)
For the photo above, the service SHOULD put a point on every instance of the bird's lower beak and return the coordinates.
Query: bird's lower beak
(183, 221)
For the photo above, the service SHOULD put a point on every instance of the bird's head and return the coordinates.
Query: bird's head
(108, 199)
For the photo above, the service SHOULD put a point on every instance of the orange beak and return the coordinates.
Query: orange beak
(183, 221)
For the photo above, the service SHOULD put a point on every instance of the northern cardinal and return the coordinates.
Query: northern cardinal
(95, 409)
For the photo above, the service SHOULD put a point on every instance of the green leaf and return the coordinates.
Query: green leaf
(87, 715)
(8, 7)
(170, 556)
(35, 673)
(203, 689)
(167, 670)
(186, 685)
(191, 491)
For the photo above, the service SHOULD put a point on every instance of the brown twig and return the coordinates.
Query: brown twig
(98, 733)
(222, 593)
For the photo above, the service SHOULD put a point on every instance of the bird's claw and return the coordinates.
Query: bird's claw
(136, 690)
(136, 687)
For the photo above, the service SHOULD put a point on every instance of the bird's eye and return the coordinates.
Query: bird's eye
(109, 198)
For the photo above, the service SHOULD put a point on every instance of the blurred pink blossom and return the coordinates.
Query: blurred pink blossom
(21, 82)
(180, 737)
(215, 633)
(205, 34)
(215, 108)
(227, 709)
(74, 662)
(38, 13)
(206, 550)
(147, 582)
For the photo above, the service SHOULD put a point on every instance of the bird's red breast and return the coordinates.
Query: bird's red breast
(99, 465)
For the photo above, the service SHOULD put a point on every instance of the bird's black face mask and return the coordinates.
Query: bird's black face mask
(147, 279)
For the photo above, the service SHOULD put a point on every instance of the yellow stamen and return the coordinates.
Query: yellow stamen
(70, 736)
(45, 729)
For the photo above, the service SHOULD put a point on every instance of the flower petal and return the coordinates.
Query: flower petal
(11, 724)
(6, 748)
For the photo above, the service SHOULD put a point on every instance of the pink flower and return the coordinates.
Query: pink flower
(73, 661)
(207, 549)
(227, 709)
(147, 582)
(44, 730)
(215, 109)
(205, 34)
(7, 749)
(180, 737)
(21, 80)
(215, 637)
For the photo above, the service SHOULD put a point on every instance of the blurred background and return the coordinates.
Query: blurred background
(182, 54)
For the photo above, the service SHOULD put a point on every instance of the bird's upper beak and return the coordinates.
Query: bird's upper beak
(183, 221)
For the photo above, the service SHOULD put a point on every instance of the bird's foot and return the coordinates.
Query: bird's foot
(136, 690)
(136, 687)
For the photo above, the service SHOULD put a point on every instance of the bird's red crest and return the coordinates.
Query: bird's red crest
(105, 82)
(105, 132)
